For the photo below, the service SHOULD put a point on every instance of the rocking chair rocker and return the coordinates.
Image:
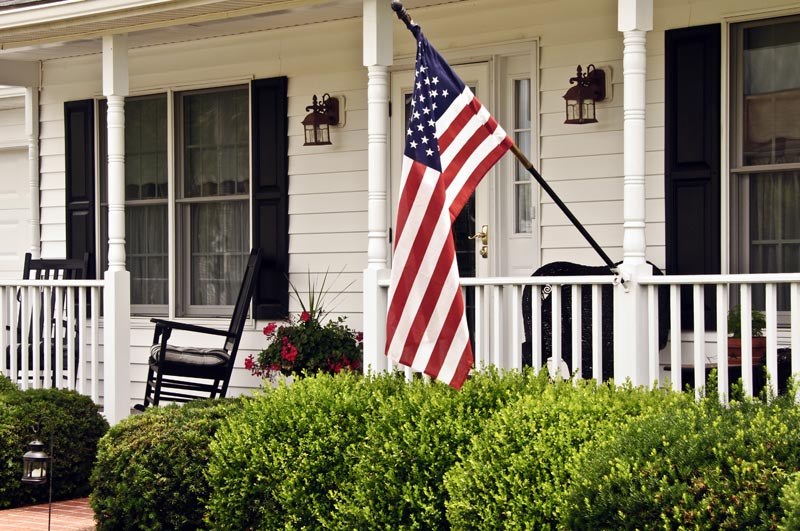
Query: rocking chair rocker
(175, 370)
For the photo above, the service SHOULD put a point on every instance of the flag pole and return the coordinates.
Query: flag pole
(567, 212)
(403, 15)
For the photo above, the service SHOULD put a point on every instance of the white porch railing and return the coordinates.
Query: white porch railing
(49, 334)
(499, 330)
(705, 345)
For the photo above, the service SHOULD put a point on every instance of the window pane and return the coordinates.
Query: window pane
(523, 202)
(146, 250)
(146, 148)
(522, 104)
(771, 61)
(216, 134)
(219, 251)
(774, 225)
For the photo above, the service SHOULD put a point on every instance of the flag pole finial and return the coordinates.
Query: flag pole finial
(402, 14)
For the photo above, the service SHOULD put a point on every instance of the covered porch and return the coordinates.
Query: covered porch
(619, 329)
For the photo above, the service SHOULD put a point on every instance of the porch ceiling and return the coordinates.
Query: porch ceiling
(75, 27)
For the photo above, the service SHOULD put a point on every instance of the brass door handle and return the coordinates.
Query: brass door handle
(483, 235)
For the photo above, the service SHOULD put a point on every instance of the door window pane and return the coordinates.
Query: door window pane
(523, 202)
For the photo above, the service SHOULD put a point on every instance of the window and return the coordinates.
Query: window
(212, 192)
(765, 169)
(523, 201)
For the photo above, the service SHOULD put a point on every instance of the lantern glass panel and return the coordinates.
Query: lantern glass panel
(310, 134)
(323, 134)
(572, 110)
(34, 469)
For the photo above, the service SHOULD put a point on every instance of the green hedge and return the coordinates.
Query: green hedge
(149, 471)
(790, 503)
(398, 468)
(280, 464)
(509, 451)
(516, 472)
(695, 466)
(76, 426)
(7, 386)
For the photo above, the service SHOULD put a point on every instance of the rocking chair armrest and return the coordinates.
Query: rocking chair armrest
(164, 324)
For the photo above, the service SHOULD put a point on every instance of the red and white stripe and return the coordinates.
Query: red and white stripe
(426, 324)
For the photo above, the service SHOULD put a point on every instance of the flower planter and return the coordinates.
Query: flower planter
(735, 350)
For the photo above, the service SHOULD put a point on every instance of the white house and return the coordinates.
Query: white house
(165, 138)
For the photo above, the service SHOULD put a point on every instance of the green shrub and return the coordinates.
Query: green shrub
(149, 470)
(398, 469)
(279, 464)
(75, 424)
(790, 503)
(701, 466)
(516, 471)
(7, 386)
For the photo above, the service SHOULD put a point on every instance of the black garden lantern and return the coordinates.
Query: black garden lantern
(37, 469)
(316, 124)
(35, 464)
(580, 99)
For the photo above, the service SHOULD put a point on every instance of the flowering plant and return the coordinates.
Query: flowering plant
(304, 343)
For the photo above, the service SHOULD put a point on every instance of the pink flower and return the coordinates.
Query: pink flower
(251, 365)
(360, 337)
(305, 316)
(269, 329)
(288, 352)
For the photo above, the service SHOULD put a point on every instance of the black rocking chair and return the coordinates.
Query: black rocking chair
(177, 374)
(48, 269)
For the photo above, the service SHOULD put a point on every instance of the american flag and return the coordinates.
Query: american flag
(451, 142)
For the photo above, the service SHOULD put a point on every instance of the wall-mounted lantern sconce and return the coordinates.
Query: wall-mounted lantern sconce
(580, 99)
(324, 114)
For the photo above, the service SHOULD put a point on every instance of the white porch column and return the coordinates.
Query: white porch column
(635, 19)
(117, 299)
(32, 135)
(377, 58)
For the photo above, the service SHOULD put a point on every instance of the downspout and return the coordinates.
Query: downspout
(32, 136)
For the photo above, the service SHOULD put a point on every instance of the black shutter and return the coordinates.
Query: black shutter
(270, 196)
(80, 197)
(692, 157)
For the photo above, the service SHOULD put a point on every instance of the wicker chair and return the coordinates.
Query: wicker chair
(607, 320)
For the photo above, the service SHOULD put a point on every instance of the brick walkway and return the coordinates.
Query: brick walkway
(73, 515)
